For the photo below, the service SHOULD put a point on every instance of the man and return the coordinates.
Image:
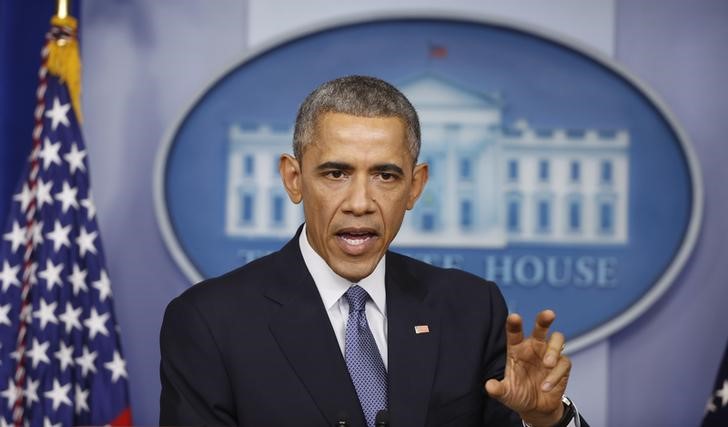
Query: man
(334, 328)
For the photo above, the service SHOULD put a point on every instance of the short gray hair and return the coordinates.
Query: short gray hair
(360, 96)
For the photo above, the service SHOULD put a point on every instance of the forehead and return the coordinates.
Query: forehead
(346, 132)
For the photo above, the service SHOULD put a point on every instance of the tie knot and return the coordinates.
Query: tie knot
(357, 298)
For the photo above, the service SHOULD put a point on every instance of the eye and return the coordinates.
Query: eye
(388, 177)
(336, 174)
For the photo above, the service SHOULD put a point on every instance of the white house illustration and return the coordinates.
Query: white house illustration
(491, 184)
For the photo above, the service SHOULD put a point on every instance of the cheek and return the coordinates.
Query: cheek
(397, 198)
(393, 207)
(321, 202)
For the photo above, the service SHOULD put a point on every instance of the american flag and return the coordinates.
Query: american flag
(60, 355)
(716, 409)
(437, 50)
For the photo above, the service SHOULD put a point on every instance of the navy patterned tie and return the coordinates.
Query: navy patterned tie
(365, 364)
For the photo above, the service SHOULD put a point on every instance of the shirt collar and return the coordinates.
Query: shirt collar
(332, 287)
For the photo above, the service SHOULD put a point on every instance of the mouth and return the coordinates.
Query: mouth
(356, 241)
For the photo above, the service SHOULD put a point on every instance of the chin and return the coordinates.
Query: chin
(356, 272)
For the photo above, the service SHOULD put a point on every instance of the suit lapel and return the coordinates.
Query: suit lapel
(303, 332)
(412, 356)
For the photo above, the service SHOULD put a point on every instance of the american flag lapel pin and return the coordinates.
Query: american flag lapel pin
(422, 329)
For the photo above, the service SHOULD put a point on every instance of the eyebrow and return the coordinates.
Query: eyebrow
(334, 165)
(385, 167)
(388, 168)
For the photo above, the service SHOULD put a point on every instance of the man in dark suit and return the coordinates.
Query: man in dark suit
(334, 329)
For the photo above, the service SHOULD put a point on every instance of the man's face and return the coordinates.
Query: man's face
(356, 179)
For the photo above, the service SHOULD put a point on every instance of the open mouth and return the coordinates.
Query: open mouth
(355, 242)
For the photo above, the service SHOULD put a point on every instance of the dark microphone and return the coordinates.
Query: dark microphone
(343, 420)
(382, 419)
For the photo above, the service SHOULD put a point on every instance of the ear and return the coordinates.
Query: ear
(419, 179)
(290, 171)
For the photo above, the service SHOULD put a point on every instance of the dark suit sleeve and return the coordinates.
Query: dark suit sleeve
(195, 385)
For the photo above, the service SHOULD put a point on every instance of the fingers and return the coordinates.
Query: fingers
(555, 347)
(543, 322)
(558, 374)
(494, 388)
(514, 329)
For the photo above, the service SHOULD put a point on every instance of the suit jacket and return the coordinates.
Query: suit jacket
(255, 347)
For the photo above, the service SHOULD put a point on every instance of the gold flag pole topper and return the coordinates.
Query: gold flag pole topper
(62, 9)
(63, 57)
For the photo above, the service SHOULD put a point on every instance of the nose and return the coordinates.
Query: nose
(359, 200)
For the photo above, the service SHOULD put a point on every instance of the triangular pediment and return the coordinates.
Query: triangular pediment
(430, 90)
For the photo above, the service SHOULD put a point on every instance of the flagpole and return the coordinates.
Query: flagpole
(62, 8)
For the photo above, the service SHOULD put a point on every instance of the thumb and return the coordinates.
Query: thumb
(495, 388)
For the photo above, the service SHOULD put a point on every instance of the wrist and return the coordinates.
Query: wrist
(560, 418)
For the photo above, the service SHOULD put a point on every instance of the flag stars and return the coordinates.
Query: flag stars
(37, 233)
(48, 423)
(51, 274)
(39, 352)
(30, 272)
(75, 159)
(58, 394)
(9, 276)
(4, 318)
(85, 241)
(103, 285)
(70, 318)
(64, 356)
(11, 393)
(96, 323)
(24, 197)
(710, 404)
(81, 400)
(31, 392)
(43, 193)
(49, 153)
(16, 236)
(723, 394)
(58, 114)
(117, 367)
(67, 197)
(26, 314)
(87, 361)
(90, 207)
(46, 313)
(59, 235)
(78, 279)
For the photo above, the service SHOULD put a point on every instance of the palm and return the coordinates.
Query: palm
(528, 368)
(525, 372)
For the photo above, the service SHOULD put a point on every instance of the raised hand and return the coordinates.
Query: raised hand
(536, 372)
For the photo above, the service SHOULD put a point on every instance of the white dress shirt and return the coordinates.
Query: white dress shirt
(332, 288)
